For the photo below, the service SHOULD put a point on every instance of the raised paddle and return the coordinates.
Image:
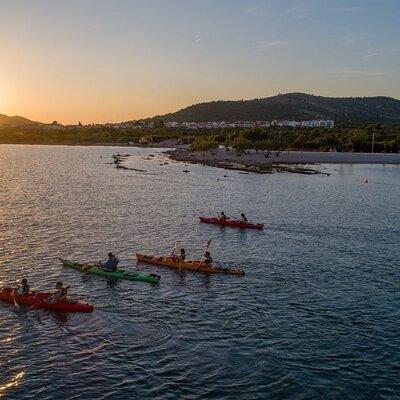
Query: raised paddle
(206, 249)
(119, 252)
(174, 250)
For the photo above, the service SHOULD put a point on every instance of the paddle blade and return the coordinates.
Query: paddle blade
(17, 306)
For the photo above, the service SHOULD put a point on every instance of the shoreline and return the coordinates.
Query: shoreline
(156, 145)
(183, 153)
(285, 161)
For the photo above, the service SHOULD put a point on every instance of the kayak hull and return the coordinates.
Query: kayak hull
(119, 274)
(196, 266)
(231, 223)
(37, 299)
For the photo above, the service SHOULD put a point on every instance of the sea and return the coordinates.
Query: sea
(316, 315)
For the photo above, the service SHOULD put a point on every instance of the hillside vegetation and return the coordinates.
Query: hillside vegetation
(14, 121)
(387, 137)
(292, 106)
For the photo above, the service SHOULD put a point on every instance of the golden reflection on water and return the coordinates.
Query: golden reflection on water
(15, 381)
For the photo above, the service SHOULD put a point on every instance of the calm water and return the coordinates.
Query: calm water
(316, 316)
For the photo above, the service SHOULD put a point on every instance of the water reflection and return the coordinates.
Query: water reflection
(13, 382)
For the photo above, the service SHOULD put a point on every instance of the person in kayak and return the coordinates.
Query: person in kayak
(243, 218)
(111, 264)
(182, 255)
(222, 216)
(207, 260)
(23, 288)
(61, 293)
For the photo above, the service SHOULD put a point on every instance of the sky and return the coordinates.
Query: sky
(118, 60)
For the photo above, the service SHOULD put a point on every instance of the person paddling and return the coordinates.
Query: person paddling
(243, 218)
(111, 264)
(182, 255)
(23, 288)
(207, 260)
(222, 216)
(61, 292)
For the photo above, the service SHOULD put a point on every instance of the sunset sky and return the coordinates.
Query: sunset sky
(104, 61)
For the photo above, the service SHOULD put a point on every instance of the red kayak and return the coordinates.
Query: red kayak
(231, 222)
(37, 300)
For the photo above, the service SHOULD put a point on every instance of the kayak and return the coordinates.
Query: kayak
(231, 222)
(189, 265)
(37, 299)
(118, 274)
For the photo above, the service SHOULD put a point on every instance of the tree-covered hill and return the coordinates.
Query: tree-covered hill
(14, 121)
(293, 106)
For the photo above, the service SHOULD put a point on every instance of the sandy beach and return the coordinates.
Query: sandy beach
(287, 161)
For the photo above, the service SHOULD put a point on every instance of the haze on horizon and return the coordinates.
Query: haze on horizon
(104, 61)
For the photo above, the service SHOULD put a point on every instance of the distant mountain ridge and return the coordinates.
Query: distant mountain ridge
(15, 121)
(292, 106)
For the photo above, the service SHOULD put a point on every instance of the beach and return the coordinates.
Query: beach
(284, 161)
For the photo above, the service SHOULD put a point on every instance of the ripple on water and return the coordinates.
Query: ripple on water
(315, 316)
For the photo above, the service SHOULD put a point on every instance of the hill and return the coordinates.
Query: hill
(292, 106)
(15, 121)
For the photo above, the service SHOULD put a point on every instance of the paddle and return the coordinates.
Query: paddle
(174, 250)
(119, 252)
(173, 257)
(17, 306)
(37, 305)
(206, 249)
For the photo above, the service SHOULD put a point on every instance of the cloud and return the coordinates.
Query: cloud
(300, 10)
(372, 54)
(350, 9)
(361, 73)
(266, 45)
(257, 10)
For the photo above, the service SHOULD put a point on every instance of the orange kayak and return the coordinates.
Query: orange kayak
(189, 265)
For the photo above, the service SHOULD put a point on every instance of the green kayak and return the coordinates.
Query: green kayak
(118, 274)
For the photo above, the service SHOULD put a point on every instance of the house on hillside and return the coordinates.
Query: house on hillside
(54, 126)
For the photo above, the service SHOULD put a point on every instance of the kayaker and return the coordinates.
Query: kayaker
(182, 255)
(207, 260)
(243, 218)
(111, 264)
(222, 216)
(23, 288)
(61, 292)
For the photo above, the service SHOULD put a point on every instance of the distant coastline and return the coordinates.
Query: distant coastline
(283, 161)
(116, 144)
(250, 160)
